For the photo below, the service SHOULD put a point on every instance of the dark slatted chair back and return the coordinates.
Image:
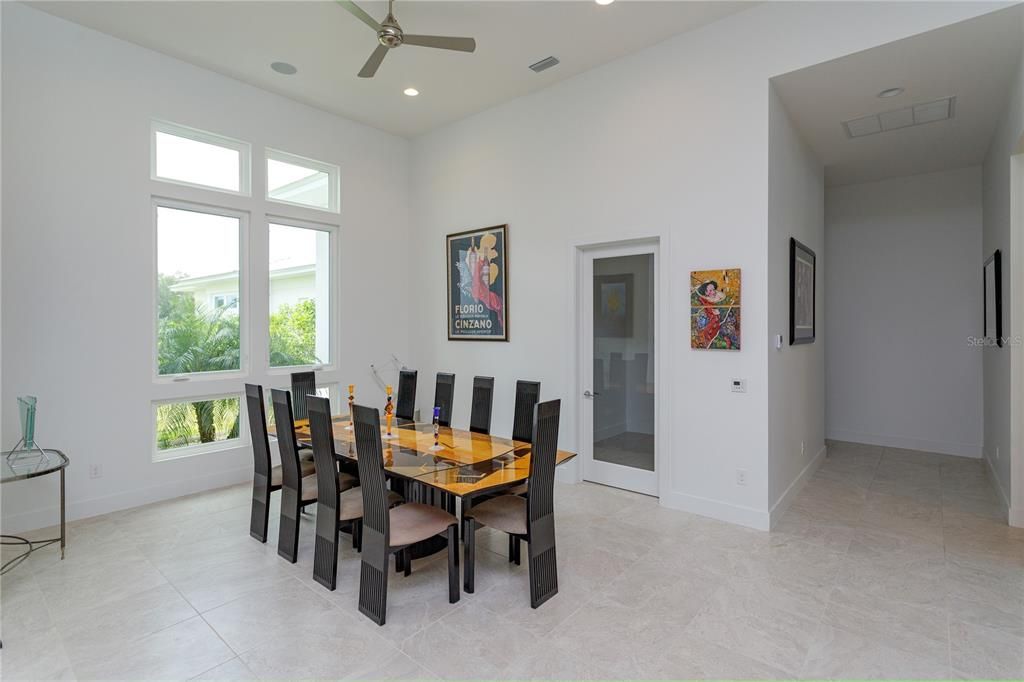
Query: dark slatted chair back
(444, 396)
(258, 429)
(261, 484)
(405, 405)
(325, 548)
(542, 459)
(527, 395)
(286, 444)
(376, 536)
(540, 504)
(483, 399)
(303, 384)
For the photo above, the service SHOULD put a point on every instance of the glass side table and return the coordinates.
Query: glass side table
(17, 466)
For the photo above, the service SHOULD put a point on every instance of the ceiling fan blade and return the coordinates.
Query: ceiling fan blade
(442, 42)
(373, 63)
(359, 14)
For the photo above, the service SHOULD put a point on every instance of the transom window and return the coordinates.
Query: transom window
(194, 157)
(296, 180)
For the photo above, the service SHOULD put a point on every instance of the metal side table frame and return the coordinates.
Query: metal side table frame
(18, 466)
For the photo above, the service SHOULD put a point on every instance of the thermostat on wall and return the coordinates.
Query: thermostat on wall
(739, 385)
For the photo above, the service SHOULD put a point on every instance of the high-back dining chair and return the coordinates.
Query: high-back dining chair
(405, 404)
(303, 384)
(444, 396)
(334, 508)
(527, 396)
(386, 530)
(483, 399)
(531, 518)
(298, 479)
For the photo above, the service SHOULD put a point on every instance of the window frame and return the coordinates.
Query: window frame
(243, 284)
(333, 231)
(184, 451)
(333, 179)
(244, 150)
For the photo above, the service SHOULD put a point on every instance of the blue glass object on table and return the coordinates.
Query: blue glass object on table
(26, 447)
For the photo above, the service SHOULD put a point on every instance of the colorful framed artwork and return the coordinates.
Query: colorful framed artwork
(802, 292)
(993, 322)
(613, 314)
(478, 285)
(715, 309)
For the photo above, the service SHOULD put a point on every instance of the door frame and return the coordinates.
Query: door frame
(577, 374)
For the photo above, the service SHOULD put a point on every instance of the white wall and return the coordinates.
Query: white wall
(999, 409)
(76, 207)
(796, 374)
(904, 296)
(672, 141)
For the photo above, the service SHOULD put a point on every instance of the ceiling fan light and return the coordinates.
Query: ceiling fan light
(604, 2)
(411, 92)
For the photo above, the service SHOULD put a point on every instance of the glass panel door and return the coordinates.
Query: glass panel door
(621, 335)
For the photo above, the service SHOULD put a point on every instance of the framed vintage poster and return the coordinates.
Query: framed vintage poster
(478, 285)
(802, 292)
(715, 309)
(613, 312)
(993, 325)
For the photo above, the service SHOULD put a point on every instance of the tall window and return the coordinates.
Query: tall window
(198, 317)
(300, 300)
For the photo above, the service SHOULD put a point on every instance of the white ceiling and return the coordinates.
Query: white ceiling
(329, 46)
(973, 60)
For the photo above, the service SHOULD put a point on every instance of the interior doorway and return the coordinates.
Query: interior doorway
(618, 365)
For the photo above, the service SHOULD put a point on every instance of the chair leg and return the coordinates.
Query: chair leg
(470, 562)
(407, 560)
(357, 535)
(373, 579)
(518, 549)
(511, 549)
(453, 563)
(325, 547)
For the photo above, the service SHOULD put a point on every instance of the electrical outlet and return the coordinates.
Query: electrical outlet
(741, 477)
(95, 471)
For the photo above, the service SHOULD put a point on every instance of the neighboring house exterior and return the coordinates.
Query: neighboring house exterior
(288, 285)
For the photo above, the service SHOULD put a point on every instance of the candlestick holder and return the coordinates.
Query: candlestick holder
(351, 402)
(389, 413)
(437, 429)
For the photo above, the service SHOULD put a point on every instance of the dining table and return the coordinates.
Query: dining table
(462, 465)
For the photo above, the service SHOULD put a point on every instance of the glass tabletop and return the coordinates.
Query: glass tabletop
(21, 464)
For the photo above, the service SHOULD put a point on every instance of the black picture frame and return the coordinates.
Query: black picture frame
(618, 326)
(802, 333)
(993, 266)
(485, 323)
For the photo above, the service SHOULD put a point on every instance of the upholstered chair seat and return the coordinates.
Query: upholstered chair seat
(415, 522)
(506, 513)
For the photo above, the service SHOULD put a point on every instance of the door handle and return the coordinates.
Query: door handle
(589, 394)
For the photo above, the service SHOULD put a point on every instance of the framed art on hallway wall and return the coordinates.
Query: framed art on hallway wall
(477, 296)
(993, 325)
(715, 309)
(802, 292)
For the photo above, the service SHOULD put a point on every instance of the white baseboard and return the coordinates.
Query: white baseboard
(1017, 517)
(716, 509)
(794, 488)
(942, 447)
(45, 517)
(1004, 497)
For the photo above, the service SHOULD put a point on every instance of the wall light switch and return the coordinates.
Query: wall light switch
(739, 385)
(778, 342)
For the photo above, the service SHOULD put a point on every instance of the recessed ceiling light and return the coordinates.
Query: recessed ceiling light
(604, 2)
(890, 92)
(284, 68)
(412, 92)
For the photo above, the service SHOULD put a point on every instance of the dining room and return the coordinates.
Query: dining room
(462, 349)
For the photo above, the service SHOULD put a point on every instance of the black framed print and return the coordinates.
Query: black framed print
(477, 296)
(993, 272)
(802, 292)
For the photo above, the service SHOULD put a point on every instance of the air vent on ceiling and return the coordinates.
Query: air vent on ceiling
(544, 64)
(914, 115)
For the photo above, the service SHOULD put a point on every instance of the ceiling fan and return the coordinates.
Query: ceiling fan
(390, 35)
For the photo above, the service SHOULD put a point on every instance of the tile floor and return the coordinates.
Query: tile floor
(890, 564)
